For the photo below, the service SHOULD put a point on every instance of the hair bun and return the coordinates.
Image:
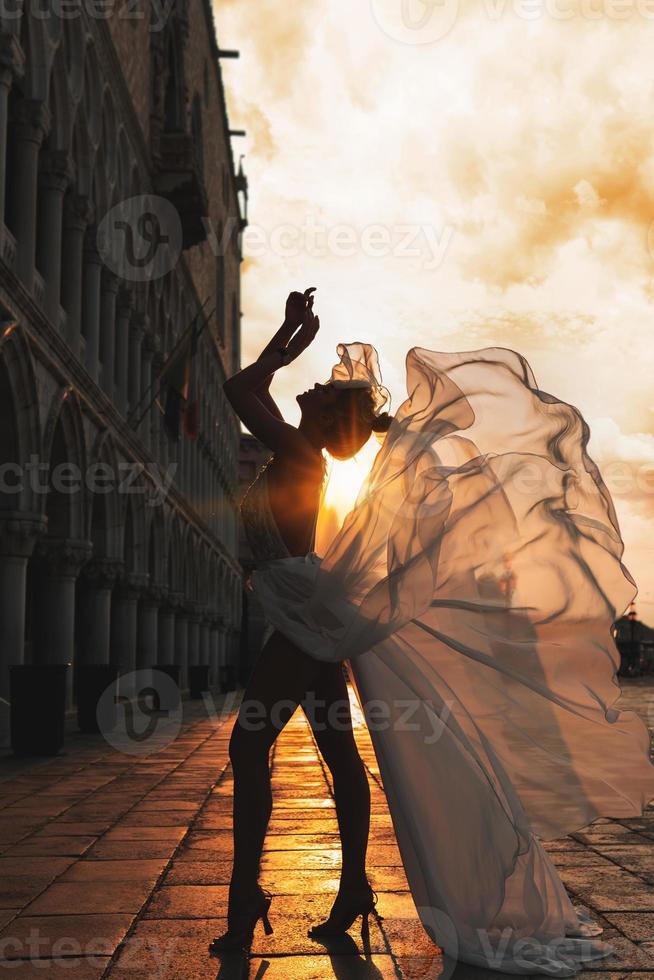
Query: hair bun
(382, 422)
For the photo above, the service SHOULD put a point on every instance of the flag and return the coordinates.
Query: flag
(176, 377)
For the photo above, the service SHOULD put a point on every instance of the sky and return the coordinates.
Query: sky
(453, 176)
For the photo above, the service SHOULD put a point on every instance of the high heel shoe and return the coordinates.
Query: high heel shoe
(343, 918)
(241, 926)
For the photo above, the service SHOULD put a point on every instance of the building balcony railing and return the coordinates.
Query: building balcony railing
(178, 178)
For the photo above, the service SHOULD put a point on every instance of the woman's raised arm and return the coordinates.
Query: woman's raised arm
(244, 389)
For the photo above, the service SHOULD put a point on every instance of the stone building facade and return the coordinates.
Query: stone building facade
(101, 561)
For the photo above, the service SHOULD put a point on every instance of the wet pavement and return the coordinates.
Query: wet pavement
(114, 861)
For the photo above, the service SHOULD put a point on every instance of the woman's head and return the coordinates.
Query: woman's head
(344, 416)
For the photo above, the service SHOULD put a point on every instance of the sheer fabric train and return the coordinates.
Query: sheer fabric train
(472, 588)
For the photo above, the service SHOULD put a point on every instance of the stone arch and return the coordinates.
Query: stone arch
(135, 528)
(74, 43)
(92, 98)
(175, 553)
(59, 101)
(37, 48)
(20, 426)
(156, 548)
(65, 452)
(104, 512)
(109, 143)
(82, 154)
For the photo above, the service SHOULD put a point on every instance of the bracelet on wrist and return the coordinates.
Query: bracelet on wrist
(284, 354)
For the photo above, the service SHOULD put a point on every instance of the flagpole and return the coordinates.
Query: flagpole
(170, 357)
(145, 411)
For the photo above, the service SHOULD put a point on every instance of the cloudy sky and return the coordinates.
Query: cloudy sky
(453, 176)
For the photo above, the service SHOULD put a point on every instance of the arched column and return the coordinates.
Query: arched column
(96, 583)
(18, 535)
(123, 313)
(166, 634)
(147, 353)
(108, 293)
(193, 637)
(156, 444)
(204, 641)
(181, 645)
(136, 334)
(78, 212)
(214, 650)
(148, 626)
(33, 123)
(124, 617)
(54, 613)
(92, 275)
(12, 66)
(55, 174)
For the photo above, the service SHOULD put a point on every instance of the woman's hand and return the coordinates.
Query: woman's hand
(296, 306)
(307, 332)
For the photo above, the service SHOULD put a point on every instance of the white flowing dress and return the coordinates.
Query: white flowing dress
(473, 588)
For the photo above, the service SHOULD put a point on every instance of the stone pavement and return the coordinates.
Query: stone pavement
(116, 864)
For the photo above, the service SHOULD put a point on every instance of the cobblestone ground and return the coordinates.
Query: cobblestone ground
(114, 864)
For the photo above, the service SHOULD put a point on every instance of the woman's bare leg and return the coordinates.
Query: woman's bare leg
(331, 721)
(283, 678)
(280, 680)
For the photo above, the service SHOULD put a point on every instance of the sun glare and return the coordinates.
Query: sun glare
(345, 478)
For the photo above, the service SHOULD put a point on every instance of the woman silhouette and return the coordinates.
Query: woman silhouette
(279, 513)
(472, 589)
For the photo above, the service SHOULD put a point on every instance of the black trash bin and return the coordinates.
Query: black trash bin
(198, 679)
(38, 708)
(169, 694)
(227, 678)
(91, 681)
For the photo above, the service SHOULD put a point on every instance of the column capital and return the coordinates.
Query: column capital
(55, 169)
(33, 119)
(130, 585)
(150, 344)
(79, 211)
(194, 612)
(110, 282)
(102, 572)
(91, 250)
(12, 57)
(19, 533)
(176, 600)
(65, 556)
(155, 593)
(124, 302)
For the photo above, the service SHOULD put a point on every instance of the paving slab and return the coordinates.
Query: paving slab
(134, 851)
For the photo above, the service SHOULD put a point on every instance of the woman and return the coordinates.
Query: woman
(279, 514)
(472, 588)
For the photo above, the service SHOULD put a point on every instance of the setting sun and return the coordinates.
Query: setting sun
(344, 480)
